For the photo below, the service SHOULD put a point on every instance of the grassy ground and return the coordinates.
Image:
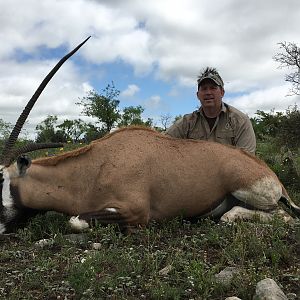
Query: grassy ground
(171, 260)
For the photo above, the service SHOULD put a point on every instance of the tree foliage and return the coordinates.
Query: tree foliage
(289, 132)
(103, 107)
(73, 129)
(279, 144)
(283, 127)
(132, 115)
(47, 132)
(290, 57)
(5, 129)
(266, 124)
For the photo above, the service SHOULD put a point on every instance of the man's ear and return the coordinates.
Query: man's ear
(223, 92)
(23, 163)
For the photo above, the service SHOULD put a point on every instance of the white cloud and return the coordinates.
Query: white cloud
(58, 98)
(131, 90)
(265, 99)
(153, 103)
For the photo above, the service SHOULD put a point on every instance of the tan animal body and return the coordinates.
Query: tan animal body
(135, 175)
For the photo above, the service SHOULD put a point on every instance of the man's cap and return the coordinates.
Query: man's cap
(210, 73)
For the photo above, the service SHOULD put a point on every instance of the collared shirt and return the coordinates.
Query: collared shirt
(232, 127)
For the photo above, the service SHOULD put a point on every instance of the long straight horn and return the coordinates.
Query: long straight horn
(22, 118)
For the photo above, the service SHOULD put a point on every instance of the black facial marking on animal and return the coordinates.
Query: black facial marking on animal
(21, 214)
(2, 208)
(1, 199)
(1, 178)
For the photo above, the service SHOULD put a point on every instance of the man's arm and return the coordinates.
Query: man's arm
(177, 130)
(245, 137)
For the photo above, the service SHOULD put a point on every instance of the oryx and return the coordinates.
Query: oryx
(135, 175)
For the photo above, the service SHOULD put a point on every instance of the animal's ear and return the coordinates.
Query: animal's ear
(23, 163)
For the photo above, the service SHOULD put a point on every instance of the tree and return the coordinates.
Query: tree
(289, 131)
(165, 121)
(132, 115)
(284, 128)
(92, 133)
(46, 131)
(73, 129)
(102, 106)
(5, 129)
(290, 57)
(266, 124)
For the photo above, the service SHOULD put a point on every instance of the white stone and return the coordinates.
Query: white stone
(96, 246)
(267, 289)
(44, 242)
(226, 275)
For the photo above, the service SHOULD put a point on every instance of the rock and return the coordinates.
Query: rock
(96, 246)
(165, 270)
(233, 298)
(268, 289)
(44, 242)
(291, 296)
(77, 238)
(225, 276)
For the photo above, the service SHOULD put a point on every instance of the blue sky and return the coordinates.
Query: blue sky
(151, 50)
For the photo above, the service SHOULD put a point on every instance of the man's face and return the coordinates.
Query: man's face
(210, 94)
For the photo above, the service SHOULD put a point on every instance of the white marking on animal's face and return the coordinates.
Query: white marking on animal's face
(78, 224)
(6, 196)
(7, 200)
(263, 194)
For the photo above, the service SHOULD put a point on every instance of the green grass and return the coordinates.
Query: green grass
(131, 266)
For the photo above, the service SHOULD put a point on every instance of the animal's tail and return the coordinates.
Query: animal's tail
(286, 200)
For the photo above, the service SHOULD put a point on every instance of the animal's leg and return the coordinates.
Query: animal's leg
(242, 213)
(127, 214)
(263, 195)
(106, 216)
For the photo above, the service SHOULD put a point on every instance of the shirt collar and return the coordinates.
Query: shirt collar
(223, 109)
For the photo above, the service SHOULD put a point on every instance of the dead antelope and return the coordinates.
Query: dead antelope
(135, 175)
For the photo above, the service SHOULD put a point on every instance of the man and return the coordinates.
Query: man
(215, 120)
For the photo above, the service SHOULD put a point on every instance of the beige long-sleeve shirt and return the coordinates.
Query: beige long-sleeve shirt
(232, 127)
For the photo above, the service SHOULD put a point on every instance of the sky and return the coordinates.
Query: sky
(152, 50)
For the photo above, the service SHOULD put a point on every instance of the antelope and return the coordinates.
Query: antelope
(135, 175)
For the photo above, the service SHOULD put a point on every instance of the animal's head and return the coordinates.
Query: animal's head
(12, 213)
(14, 164)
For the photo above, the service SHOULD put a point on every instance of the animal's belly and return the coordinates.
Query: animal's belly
(185, 207)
